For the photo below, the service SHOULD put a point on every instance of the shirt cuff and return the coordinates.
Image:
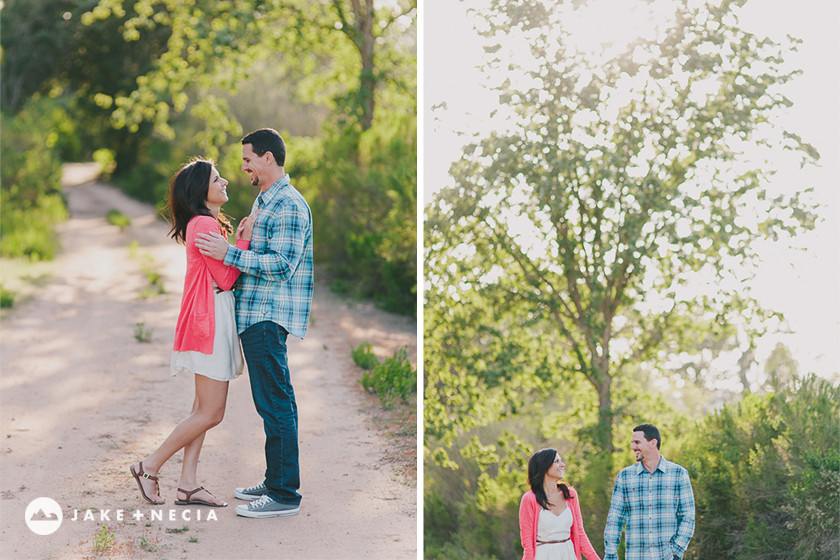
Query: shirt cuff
(231, 254)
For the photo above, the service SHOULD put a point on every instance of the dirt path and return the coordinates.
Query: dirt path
(81, 398)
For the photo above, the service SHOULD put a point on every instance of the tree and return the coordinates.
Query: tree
(618, 211)
(214, 45)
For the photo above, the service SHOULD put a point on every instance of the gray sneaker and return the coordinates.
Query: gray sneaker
(250, 493)
(266, 507)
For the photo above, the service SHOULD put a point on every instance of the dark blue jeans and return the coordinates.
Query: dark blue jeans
(264, 345)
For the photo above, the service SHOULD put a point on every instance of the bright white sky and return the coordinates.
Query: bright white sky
(802, 283)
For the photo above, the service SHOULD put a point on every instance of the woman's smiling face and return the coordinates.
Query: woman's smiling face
(217, 190)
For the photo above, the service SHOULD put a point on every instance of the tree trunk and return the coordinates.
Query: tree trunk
(367, 79)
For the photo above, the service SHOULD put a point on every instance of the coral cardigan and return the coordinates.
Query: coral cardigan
(529, 515)
(197, 320)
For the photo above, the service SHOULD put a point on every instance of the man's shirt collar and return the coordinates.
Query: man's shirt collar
(662, 466)
(274, 189)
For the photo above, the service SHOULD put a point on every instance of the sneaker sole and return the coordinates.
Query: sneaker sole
(247, 497)
(259, 514)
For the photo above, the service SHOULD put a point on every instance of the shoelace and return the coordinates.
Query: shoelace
(264, 500)
(257, 488)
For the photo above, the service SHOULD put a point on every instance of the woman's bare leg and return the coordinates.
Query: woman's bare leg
(208, 411)
(189, 478)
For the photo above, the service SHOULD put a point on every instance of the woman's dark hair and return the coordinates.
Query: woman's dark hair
(188, 198)
(267, 140)
(538, 465)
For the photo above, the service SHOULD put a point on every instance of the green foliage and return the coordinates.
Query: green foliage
(106, 160)
(392, 380)
(143, 86)
(146, 545)
(142, 333)
(7, 297)
(147, 179)
(364, 357)
(766, 476)
(594, 220)
(117, 218)
(30, 185)
(363, 191)
(104, 539)
(151, 270)
(471, 504)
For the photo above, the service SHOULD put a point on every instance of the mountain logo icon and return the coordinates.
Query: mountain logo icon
(43, 516)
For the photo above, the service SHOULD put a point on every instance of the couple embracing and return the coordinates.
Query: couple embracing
(272, 268)
(652, 501)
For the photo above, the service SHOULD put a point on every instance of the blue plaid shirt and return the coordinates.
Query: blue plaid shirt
(658, 509)
(278, 275)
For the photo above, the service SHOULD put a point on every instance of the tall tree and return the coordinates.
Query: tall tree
(619, 210)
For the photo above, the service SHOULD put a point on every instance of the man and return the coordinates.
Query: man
(655, 499)
(273, 300)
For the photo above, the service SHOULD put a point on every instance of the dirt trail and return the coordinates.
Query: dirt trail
(81, 398)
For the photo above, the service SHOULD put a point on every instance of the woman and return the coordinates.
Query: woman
(550, 524)
(206, 340)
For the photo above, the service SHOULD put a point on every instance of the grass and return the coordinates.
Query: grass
(146, 545)
(150, 269)
(142, 333)
(104, 539)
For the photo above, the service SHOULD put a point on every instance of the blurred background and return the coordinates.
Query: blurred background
(631, 215)
(142, 86)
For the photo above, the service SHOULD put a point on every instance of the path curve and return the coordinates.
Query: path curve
(81, 398)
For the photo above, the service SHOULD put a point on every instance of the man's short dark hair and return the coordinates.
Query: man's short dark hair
(267, 140)
(651, 432)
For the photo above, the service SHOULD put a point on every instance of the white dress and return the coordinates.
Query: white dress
(552, 527)
(226, 362)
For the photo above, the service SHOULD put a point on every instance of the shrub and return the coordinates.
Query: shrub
(7, 297)
(30, 186)
(765, 476)
(362, 187)
(363, 356)
(393, 379)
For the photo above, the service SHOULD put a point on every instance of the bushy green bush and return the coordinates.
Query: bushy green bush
(765, 476)
(362, 187)
(7, 297)
(30, 185)
(364, 357)
(392, 380)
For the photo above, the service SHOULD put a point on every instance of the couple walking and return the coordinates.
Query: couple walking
(653, 498)
(272, 261)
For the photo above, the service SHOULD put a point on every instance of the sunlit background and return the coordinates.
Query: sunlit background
(798, 278)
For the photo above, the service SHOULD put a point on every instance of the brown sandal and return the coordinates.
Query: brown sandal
(189, 502)
(146, 475)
